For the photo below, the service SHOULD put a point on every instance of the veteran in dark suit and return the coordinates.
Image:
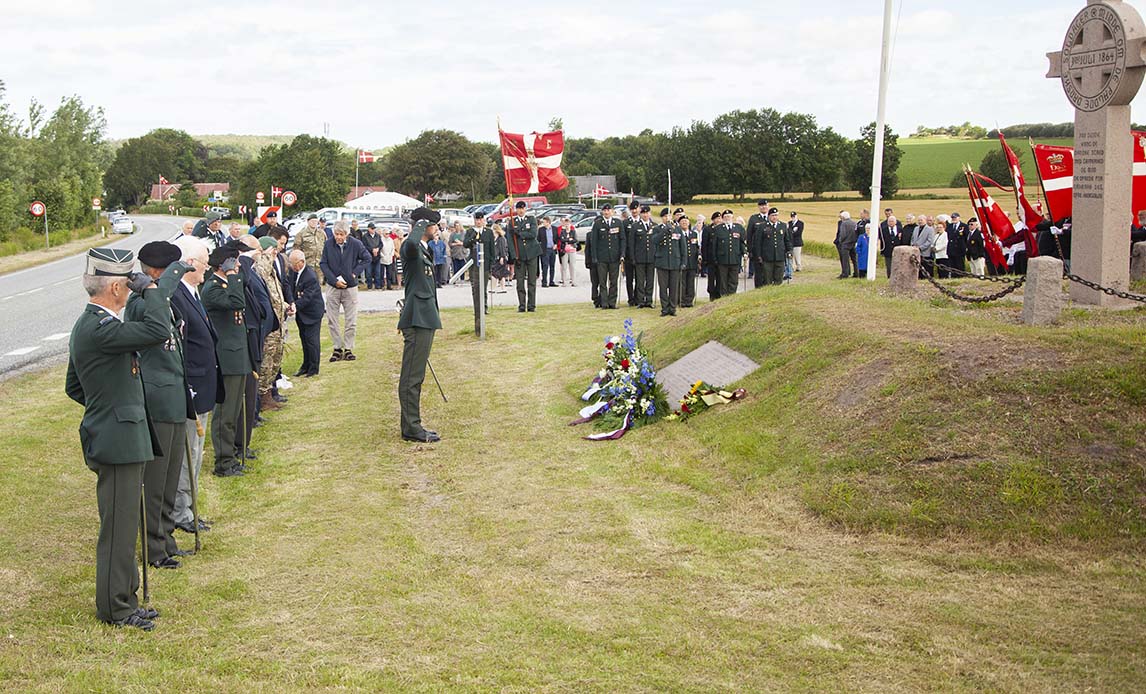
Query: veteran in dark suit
(607, 246)
(116, 434)
(418, 322)
(310, 310)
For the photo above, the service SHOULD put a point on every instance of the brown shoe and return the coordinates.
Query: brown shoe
(267, 403)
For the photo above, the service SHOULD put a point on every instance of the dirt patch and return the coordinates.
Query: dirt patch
(978, 359)
(864, 383)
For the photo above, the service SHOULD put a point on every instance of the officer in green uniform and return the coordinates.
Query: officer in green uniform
(729, 249)
(524, 253)
(691, 261)
(115, 433)
(591, 266)
(607, 243)
(772, 246)
(755, 222)
(169, 406)
(641, 245)
(418, 322)
(669, 254)
(225, 302)
(480, 233)
(631, 291)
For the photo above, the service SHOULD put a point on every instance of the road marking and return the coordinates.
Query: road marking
(70, 279)
(22, 351)
(57, 336)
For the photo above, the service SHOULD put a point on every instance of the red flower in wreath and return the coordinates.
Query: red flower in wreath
(608, 345)
(684, 408)
(624, 363)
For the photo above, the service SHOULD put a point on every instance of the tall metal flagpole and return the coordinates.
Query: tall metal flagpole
(880, 118)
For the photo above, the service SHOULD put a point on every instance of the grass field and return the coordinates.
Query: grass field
(931, 162)
(938, 499)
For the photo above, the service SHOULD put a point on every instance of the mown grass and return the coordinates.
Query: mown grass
(931, 162)
(799, 540)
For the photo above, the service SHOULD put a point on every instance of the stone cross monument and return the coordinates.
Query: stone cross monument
(1101, 66)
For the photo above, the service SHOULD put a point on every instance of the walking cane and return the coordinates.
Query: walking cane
(194, 485)
(243, 423)
(433, 373)
(143, 540)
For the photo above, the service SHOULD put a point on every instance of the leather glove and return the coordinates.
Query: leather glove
(138, 281)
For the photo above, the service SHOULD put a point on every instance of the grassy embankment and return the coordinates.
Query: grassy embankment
(914, 495)
(28, 251)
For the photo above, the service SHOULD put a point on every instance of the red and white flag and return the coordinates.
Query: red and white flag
(162, 181)
(429, 198)
(365, 157)
(982, 204)
(276, 192)
(601, 191)
(533, 162)
(1056, 169)
(1031, 216)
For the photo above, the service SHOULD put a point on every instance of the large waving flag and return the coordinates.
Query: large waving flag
(1031, 216)
(988, 211)
(533, 162)
(1055, 165)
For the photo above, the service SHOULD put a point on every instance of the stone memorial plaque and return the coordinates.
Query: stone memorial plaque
(712, 362)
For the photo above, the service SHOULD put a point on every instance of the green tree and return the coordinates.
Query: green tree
(859, 177)
(828, 156)
(435, 160)
(318, 170)
(994, 166)
(140, 161)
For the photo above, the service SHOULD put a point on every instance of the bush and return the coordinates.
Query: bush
(24, 239)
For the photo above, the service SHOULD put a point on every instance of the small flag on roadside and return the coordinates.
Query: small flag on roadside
(276, 192)
(601, 191)
(429, 198)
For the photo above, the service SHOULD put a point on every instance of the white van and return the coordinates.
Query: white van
(330, 215)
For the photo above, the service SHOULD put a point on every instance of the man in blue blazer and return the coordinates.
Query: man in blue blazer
(310, 309)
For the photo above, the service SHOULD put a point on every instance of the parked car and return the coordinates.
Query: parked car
(451, 215)
(577, 217)
(503, 209)
(558, 211)
(122, 225)
(224, 212)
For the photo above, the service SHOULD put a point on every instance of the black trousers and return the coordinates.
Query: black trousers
(160, 483)
(713, 277)
(887, 265)
(845, 262)
(526, 274)
(758, 278)
(607, 283)
(688, 288)
(644, 283)
(311, 337)
(548, 265)
(669, 281)
(631, 282)
(728, 275)
(594, 286)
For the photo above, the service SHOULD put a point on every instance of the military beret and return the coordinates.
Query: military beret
(213, 217)
(220, 255)
(313, 216)
(955, 215)
(792, 214)
(425, 214)
(237, 246)
(520, 205)
(479, 215)
(665, 212)
(715, 215)
(634, 205)
(679, 210)
(761, 201)
(110, 262)
(973, 220)
(267, 242)
(773, 210)
(727, 212)
(644, 208)
(159, 254)
(606, 206)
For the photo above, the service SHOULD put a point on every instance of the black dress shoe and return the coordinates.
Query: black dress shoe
(232, 471)
(532, 310)
(300, 372)
(309, 374)
(148, 613)
(252, 454)
(135, 621)
(166, 563)
(180, 553)
(521, 309)
(424, 437)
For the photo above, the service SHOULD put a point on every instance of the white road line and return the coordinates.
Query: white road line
(22, 351)
(70, 279)
(57, 336)
(30, 291)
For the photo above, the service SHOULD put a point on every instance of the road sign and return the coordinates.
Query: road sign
(206, 208)
(289, 198)
(171, 208)
(242, 209)
(262, 212)
(259, 197)
(96, 203)
(37, 209)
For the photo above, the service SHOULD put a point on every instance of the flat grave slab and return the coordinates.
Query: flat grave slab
(712, 362)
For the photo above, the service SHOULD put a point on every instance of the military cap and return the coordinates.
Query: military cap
(665, 212)
(221, 254)
(727, 212)
(761, 202)
(479, 215)
(425, 214)
(370, 225)
(271, 213)
(607, 206)
(313, 216)
(792, 213)
(520, 205)
(974, 220)
(634, 205)
(715, 215)
(955, 215)
(267, 242)
(644, 208)
(772, 211)
(213, 217)
(679, 210)
(159, 254)
(110, 262)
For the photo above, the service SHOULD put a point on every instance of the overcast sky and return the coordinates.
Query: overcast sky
(380, 73)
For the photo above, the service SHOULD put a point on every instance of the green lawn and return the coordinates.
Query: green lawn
(937, 499)
(931, 162)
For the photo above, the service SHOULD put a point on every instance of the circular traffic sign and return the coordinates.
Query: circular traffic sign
(259, 196)
(289, 198)
(96, 203)
(37, 209)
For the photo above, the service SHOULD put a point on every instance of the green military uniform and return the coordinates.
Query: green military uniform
(755, 223)
(418, 322)
(771, 249)
(273, 344)
(631, 292)
(524, 252)
(691, 267)
(728, 246)
(607, 246)
(669, 258)
(311, 242)
(224, 300)
(169, 407)
(116, 435)
(644, 257)
(484, 236)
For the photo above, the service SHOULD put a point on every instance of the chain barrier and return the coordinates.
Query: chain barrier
(1105, 290)
(1012, 285)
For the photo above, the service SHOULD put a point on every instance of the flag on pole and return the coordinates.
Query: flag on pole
(533, 162)
(365, 157)
(1031, 217)
(600, 191)
(276, 192)
(985, 208)
(1055, 165)
(429, 198)
(162, 181)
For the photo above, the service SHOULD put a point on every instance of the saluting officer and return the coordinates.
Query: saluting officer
(169, 407)
(772, 246)
(524, 252)
(225, 301)
(728, 248)
(116, 434)
(418, 322)
(691, 262)
(644, 257)
(669, 258)
(607, 242)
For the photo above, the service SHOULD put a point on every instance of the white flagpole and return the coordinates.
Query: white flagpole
(877, 163)
(670, 187)
(357, 161)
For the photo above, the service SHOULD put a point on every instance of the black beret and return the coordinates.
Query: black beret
(159, 254)
(792, 214)
(237, 245)
(773, 210)
(479, 215)
(644, 208)
(679, 210)
(370, 225)
(634, 205)
(607, 206)
(425, 213)
(727, 212)
(665, 212)
(272, 213)
(520, 205)
(761, 201)
(715, 215)
(973, 220)
(221, 254)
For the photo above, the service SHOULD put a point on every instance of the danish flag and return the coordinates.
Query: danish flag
(365, 157)
(533, 162)
(276, 192)
(1056, 169)
(162, 181)
(601, 191)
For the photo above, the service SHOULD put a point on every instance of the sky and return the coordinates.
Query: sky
(380, 73)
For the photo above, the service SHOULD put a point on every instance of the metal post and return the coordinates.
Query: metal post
(480, 247)
(46, 243)
(880, 119)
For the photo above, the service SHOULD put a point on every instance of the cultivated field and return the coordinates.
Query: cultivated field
(930, 162)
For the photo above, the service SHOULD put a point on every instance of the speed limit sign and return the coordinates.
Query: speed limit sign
(37, 209)
(259, 197)
(96, 203)
(289, 198)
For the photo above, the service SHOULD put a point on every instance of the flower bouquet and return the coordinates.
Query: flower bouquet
(701, 397)
(625, 393)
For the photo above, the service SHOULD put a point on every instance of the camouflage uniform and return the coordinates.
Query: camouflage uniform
(311, 244)
(273, 345)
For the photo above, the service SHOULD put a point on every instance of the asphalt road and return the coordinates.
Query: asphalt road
(39, 305)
